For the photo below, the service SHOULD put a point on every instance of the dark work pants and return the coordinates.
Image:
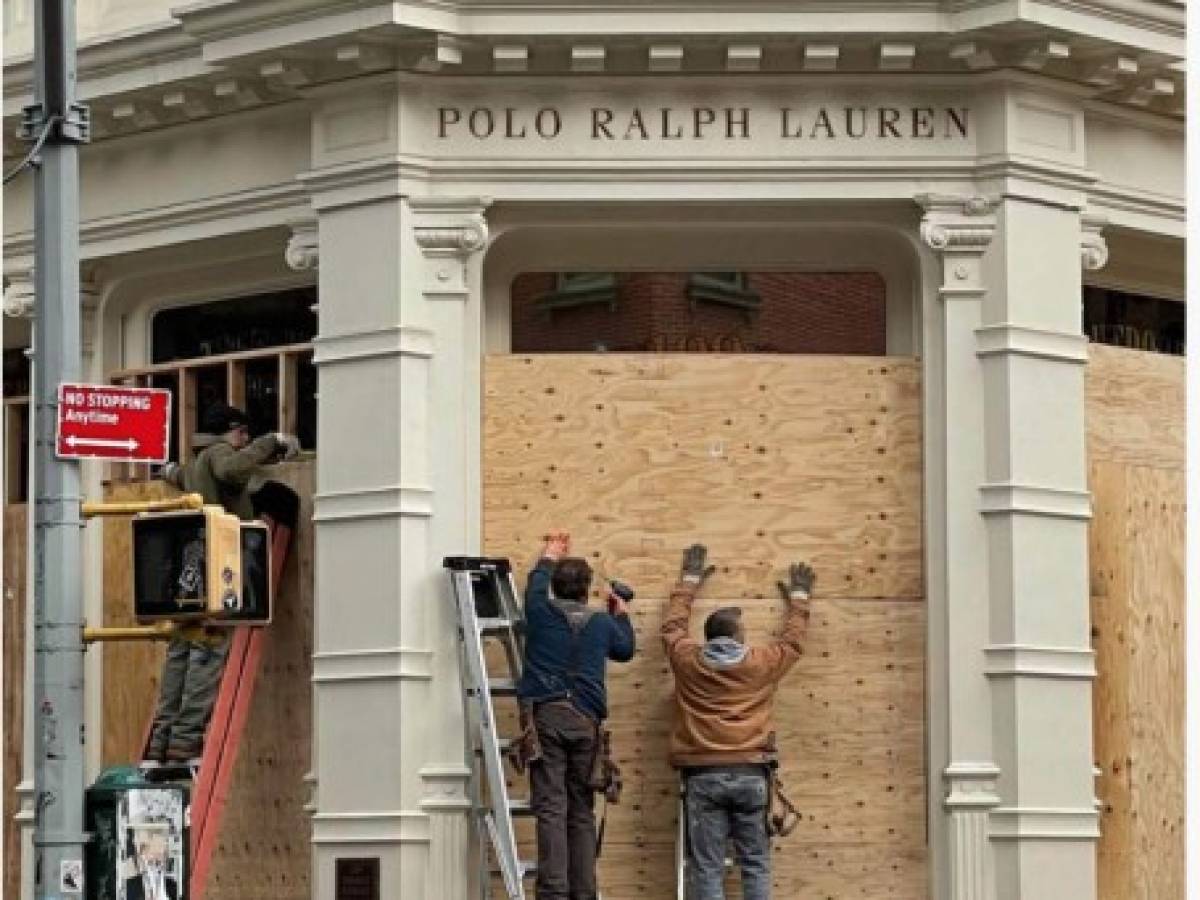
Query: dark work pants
(190, 680)
(562, 801)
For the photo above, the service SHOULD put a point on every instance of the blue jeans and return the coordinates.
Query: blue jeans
(723, 806)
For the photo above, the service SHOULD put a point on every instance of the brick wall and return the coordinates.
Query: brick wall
(800, 312)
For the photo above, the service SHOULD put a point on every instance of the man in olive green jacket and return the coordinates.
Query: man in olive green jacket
(225, 473)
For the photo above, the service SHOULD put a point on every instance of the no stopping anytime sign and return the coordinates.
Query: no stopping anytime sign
(119, 423)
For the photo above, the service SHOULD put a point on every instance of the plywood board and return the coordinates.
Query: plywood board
(1135, 432)
(262, 848)
(767, 460)
(132, 669)
(1157, 682)
(763, 458)
(14, 536)
(852, 752)
(1135, 407)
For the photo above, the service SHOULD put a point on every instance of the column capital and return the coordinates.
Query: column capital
(19, 295)
(956, 223)
(448, 232)
(303, 250)
(1093, 249)
(450, 227)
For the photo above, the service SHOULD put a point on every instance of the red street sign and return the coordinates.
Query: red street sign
(105, 422)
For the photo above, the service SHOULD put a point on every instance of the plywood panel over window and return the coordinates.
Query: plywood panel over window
(1135, 418)
(766, 459)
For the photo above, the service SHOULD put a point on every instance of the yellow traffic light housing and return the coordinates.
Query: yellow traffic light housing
(201, 565)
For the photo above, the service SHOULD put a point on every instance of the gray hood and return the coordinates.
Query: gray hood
(723, 652)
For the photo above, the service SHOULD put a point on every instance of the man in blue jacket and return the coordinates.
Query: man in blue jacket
(566, 647)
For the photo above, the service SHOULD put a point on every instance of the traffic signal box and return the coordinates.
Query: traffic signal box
(201, 565)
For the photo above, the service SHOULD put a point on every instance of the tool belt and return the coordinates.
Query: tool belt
(604, 775)
(782, 819)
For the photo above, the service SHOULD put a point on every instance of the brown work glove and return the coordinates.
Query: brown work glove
(801, 579)
(693, 570)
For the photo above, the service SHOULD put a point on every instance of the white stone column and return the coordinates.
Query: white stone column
(397, 489)
(1035, 502)
(301, 253)
(963, 774)
(19, 303)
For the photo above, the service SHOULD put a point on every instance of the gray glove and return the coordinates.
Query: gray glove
(288, 443)
(693, 570)
(801, 579)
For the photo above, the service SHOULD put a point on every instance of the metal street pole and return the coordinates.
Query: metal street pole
(58, 541)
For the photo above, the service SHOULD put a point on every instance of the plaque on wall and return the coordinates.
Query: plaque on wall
(356, 879)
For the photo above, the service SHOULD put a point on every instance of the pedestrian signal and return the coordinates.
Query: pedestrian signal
(201, 565)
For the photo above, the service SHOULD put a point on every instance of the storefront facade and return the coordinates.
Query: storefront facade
(410, 161)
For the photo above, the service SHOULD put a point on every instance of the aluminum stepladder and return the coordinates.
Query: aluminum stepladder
(485, 597)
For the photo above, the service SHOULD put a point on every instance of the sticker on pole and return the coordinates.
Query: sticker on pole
(108, 422)
(70, 876)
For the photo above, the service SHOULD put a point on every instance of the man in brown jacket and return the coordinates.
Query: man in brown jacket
(722, 741)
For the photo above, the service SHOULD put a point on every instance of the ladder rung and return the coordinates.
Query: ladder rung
(502, 687)
(495, 626)
(528, 868)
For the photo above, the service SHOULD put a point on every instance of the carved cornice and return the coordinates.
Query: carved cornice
(957, 224)
(1093, 249)
(303, 247)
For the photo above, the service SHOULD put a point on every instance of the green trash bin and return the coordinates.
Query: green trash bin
(139, 845)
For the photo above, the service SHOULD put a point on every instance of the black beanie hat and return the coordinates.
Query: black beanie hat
(222, 418)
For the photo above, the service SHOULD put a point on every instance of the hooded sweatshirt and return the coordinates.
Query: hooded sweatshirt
(724, 690)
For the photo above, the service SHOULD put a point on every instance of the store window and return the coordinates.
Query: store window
(699, 311)
(1136, 321)
(254, 352)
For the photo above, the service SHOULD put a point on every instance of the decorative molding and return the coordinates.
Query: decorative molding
(1017, 340)
(971, 785)
(303, 249)
(389, 827)
(1093, 249)
(971, 797)
(310, 787)
(397, 340)
(957, 224)
(448, 233)
(456, 240)
(234, 213)
(376, 503)
(959, 229)
(1006, 498)
(386, 664)
(1038, 823)
(446, 787)
(20, 298)
(1033, 661)
(448, 804)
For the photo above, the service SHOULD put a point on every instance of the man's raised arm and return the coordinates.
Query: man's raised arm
(679, 608)
(787, 648)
